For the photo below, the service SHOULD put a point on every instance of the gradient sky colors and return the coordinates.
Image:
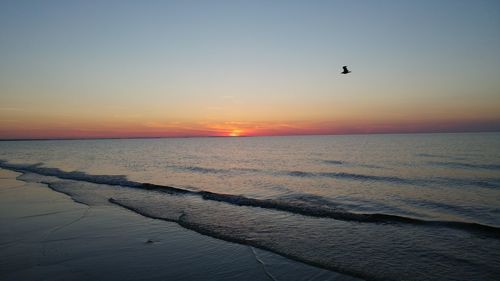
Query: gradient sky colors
(78, 69)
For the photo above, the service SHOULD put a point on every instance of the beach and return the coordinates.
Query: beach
(45, 235)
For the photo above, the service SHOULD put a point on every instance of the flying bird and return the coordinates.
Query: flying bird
(345, 70)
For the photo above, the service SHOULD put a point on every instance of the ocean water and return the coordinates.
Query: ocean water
(377, 207)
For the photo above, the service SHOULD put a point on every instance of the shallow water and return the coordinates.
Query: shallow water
(413, 207)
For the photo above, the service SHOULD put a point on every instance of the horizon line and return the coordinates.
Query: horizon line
(245, 136)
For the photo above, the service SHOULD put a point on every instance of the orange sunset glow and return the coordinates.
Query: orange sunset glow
(236, 129)
(235, 133)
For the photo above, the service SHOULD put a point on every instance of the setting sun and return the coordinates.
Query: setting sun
(235, 133)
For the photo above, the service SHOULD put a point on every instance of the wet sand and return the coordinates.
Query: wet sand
(45, 235)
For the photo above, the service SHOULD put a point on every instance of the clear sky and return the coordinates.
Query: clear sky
(198, 68)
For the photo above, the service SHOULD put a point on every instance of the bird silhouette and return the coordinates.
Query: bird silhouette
(345, 70)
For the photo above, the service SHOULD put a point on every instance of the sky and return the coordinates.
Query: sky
(85, 69)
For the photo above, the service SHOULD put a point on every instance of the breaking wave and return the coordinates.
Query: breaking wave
(295, 207)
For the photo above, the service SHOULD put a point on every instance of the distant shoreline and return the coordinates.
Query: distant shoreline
(291, 135)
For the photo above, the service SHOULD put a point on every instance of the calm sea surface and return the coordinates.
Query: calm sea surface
(379, 207)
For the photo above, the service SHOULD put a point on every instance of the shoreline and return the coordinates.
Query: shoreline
(47, 235)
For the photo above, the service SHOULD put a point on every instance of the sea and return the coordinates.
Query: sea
(376, 207)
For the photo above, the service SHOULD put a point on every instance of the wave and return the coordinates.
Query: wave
(369, 177)
(184, 221)
(489, 183)
(343, 163)
(485, 183)
(428, 155)
(73, 175)
(302, 174)
(334, 162)
(204, 170)
(352, 176)
(371, 166)
(301, 208)
(462, 165)
(436, 156)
